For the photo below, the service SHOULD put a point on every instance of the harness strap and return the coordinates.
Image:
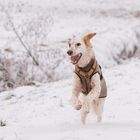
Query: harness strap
(85, 76)
(89, 73)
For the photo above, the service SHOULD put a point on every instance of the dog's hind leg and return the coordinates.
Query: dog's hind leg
(84, 116)
(94, 107)
(100, 106)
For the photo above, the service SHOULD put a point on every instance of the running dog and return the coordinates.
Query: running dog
(88, 78)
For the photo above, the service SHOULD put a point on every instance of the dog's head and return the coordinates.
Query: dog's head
(79, 47)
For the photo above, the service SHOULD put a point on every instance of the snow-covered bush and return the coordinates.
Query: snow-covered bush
(26, 33)
(27, 55)
(2, 123)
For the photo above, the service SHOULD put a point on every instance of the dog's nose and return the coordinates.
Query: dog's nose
(70, 52)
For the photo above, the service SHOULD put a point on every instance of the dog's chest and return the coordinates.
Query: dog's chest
(86, 78)
(85, 75)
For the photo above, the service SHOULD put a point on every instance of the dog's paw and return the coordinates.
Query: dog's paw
(83, 117)
(78, 105)
(99, 119)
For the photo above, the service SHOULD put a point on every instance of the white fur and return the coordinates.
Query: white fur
(92, 100)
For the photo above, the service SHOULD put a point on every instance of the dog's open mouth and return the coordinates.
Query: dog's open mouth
(75, 58)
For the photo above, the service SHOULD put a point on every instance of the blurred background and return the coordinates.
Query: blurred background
(34, 34)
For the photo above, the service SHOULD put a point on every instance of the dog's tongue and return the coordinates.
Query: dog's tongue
(74, 59)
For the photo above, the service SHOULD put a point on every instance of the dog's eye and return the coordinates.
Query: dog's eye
(78, 44)
(69, 44)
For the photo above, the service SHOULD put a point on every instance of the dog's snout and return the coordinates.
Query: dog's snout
(70, 52)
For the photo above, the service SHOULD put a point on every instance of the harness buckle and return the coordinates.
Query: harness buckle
(86, 75)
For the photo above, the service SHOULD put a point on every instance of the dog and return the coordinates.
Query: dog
(88, 78)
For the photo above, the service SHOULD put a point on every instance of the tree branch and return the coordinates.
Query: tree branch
(20, 39)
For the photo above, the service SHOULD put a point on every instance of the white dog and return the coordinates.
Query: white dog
(88, 78)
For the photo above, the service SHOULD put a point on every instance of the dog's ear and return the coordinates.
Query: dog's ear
(87, 38)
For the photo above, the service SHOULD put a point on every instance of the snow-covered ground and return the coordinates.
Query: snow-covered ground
(44, 112)
(45, 25)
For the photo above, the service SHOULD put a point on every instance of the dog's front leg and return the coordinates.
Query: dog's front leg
(96, 88)
(75, 102)
(94, 96)
(86, 104)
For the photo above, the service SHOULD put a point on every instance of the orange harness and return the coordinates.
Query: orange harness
(86, 73)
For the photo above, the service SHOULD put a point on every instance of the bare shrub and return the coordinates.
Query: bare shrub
(32, 59)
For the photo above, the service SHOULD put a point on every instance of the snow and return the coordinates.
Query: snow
(116, 23)
(43, 111)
